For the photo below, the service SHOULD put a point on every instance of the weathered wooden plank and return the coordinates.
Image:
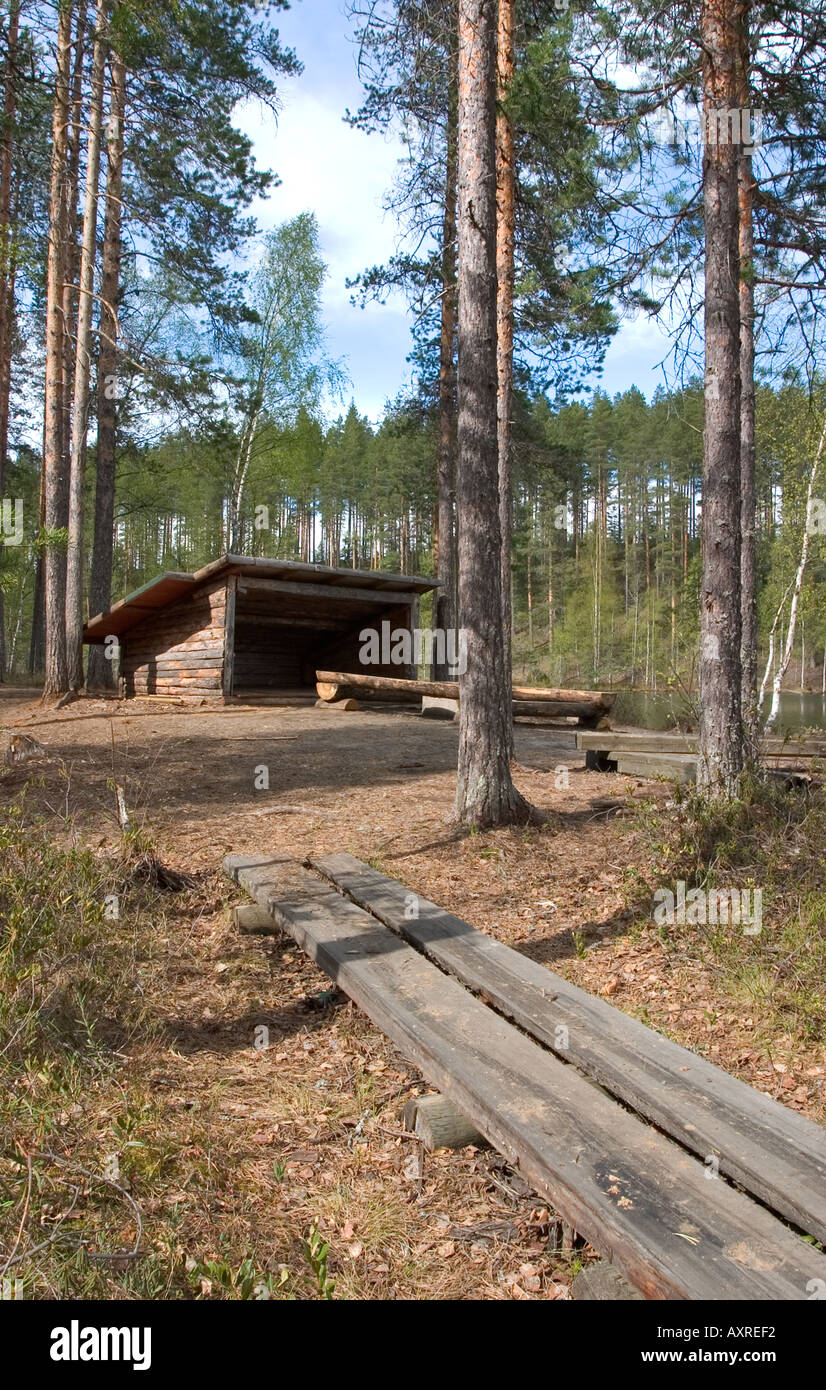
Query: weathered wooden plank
(553, 709)
(204, 636)
(776, 1154)
(676, 767)
(639, 1199)
(229, 635)
(649, 741)
(601, 1281)
(376, 598)
(182, 686)
(167, 661)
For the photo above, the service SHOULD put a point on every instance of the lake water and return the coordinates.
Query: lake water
(647, 711)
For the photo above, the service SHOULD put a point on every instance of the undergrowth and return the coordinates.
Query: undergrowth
(771, 839)
(87, 1149)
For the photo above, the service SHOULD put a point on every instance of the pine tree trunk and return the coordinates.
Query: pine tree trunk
(505, 233)
(83, 361)
(54, 578)
(445, 537)
(7, 268)
(720, 751)
(485, 794)
(748, 492)
(99, 672)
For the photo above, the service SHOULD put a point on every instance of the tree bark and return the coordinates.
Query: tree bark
(445, 537)
(7, 267)
(720, 751)
(99, 672)
(796, 589)
(485, 794)
(54, 578)
(505, 235)
(83, 360)
(748, 492)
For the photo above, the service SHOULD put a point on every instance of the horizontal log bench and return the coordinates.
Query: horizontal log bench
(613, 1124)
(588, 707)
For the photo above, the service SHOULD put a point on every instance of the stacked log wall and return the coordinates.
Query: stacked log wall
(178, 650)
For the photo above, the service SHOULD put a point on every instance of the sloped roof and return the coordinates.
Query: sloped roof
(173, 585)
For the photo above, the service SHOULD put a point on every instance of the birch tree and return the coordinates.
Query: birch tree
(813, 522)
(280, 354)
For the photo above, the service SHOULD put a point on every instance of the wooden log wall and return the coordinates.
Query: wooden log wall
(178, 650)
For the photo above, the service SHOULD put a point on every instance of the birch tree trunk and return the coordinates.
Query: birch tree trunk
(83, 360)
(720, 751)
(505, 231)
(485, 794)
(56, 681)
(788, 648)
(99, 672)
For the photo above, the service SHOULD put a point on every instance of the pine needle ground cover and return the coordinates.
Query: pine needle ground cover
(186, 1112)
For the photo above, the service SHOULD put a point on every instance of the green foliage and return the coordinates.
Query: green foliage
(67, 984)
(762, 841)
(316, 1252)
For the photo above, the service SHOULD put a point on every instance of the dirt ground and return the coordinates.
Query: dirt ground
(311, 1125)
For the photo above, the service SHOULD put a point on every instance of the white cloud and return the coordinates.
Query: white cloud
(342, 175)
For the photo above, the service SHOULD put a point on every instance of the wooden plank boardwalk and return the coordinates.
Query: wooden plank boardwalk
(776, 1154)
(640, 1199)
(643, 753)
(654, 741)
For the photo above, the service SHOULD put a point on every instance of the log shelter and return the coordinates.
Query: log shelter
(249, 627)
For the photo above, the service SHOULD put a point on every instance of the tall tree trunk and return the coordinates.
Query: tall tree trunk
(83, 360)
(445, 529)
(7, 267)
(99, 671)
(505, 233)
(56, 681)
(720, 751)
(485, 794)
(796, 590)
(748, 491)
(71, 267)
(37, 637)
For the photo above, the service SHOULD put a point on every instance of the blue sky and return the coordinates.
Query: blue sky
(342, 175)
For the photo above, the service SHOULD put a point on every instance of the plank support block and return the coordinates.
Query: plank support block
(604, 1282)
(252, 920)
(439, 1124)
(438, 707)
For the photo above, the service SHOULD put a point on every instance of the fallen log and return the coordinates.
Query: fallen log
(337, 685)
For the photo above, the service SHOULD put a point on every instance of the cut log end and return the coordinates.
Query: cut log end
(252, 920)
(439, 1124)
